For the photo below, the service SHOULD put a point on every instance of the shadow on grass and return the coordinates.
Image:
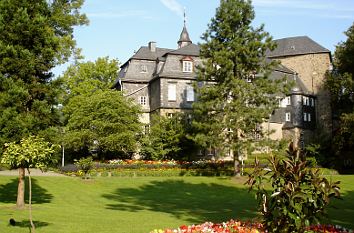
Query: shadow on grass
(187, 201)
(8, 192)
(27, 224)
(341, 212)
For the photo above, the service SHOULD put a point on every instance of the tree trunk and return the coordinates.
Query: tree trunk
(30, 200)
(21, 189)
(237, 170)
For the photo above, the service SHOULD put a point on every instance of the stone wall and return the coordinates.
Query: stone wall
(311, 69)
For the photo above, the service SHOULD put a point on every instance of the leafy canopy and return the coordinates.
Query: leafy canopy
(163, 139)
(341, 86)
(31, 152)
(98, 118)
(105, 121)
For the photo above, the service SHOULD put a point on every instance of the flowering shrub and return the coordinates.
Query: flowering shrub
(233, 226)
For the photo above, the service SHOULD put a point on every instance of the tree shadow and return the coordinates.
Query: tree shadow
(341, 211)
(27, 224)
(8, 192)
(187, 201)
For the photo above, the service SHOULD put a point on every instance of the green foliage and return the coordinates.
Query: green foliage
(84, 78)
(31, 152)
(85, 165)
(34, 38)
(163, 141)
(104, 122)
(98, 119)
(340, 83)
(298, 197)
(229, 107)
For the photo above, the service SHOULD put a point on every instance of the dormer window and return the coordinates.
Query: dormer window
(187, 66)
(143, 69)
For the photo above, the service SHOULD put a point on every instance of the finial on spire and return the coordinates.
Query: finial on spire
(184, 16)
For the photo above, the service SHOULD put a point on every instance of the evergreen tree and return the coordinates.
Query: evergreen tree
(35, 36)
(234, 92)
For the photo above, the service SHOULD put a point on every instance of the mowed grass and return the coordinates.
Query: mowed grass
(140, 204)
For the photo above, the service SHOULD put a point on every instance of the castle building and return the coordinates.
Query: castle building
(160, 80)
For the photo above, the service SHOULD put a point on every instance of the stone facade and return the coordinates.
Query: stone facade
(161, 80)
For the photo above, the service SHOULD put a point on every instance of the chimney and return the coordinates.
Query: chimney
(152, 46)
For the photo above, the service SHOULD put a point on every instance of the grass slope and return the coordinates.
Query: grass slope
(138, 205)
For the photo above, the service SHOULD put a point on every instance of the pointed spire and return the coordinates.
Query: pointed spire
(184, 39)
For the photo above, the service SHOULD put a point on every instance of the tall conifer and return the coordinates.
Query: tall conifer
(234, 92)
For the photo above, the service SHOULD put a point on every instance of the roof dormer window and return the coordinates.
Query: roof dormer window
(187, 66)
(143, 69)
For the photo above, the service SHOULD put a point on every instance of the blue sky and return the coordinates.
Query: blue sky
(119, 27)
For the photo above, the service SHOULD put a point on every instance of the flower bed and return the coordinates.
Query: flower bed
(233, 226)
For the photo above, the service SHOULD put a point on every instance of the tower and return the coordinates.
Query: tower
(184, 39)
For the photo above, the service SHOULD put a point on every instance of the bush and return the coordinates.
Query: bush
(85, 165)
(298, 195)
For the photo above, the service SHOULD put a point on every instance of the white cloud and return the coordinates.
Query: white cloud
(174, 6)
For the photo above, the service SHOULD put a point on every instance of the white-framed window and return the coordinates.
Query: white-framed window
(306, 100)
(187, 66)
(143, 69)
(170, 115)
(172, 91)
(312, 102)
(288, 100)
(307, 117)
(287, 116)
(142, 100)
(190, 93)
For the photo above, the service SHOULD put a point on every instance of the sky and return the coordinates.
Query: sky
(118, 28)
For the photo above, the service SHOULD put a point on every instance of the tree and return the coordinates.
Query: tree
(86, 77)
(237, 95)
(31, 152)
(163, 139)
(35, 36)
(341, 85)
(104, 122)
(98, 118)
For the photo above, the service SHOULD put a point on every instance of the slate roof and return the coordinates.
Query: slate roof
(144, 53)
(299, 45)
(184, 37)
(189, 50)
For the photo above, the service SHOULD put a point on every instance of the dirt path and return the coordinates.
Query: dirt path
(34, 172)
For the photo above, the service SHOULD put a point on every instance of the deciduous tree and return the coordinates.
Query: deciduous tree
(31, 152)
(99, 120)
(341, 85)
(104, 122)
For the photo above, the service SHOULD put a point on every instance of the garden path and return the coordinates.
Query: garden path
(34, 172)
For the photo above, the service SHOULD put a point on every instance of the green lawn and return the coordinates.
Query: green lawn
(128, 205)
